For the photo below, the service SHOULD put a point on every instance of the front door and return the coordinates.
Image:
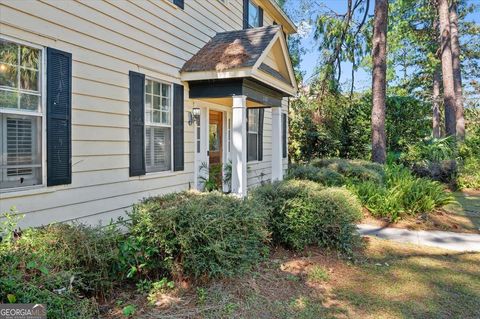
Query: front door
(215, 141)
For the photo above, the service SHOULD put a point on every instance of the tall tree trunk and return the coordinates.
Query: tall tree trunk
(447, 68)
(457, 72)
(437, 78)
(379, 81)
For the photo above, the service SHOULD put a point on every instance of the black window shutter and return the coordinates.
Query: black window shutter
(245, 14)
(284, 135)
(137, 123)
(248, 110)
(178, 129)
(260, 17)
(261, 113)
(59, 117)
(179, 3)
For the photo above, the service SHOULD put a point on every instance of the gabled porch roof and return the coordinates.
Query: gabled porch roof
(259, 55)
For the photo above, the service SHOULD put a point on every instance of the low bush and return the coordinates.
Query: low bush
(353, 170)
(402, 194)
(444, 171)
(433, 158)
(469, 168)
(303, 213)
(200, 235)
(324, 176)
(469, 174)
(63, 266)
(430, 150)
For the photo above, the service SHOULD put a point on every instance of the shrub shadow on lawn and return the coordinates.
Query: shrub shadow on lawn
(468, 206)
(403, 281)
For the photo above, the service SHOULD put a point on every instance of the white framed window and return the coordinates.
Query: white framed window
(21, 114)
(158, 126)
(252, 134)
(253, 15)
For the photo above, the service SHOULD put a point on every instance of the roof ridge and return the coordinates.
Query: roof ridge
(232, 49)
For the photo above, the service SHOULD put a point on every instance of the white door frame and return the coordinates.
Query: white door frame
(203, 157)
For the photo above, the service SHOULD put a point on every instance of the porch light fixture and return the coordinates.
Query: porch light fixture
(194, 116)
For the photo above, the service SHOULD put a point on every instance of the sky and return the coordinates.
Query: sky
(311, 56)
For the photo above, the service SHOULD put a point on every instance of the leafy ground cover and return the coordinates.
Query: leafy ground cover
(462, 216)
(387, 191)
(386, 280)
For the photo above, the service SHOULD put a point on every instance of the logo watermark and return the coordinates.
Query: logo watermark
(23, 311)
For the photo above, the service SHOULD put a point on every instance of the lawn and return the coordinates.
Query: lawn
(387, 280)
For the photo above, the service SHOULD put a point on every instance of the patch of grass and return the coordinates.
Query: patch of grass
(386, 280)
(318, 274)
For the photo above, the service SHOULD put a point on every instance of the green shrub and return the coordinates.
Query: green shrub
(303, 213)
(433, 158)
(339, 213)
(431, 150)
(324, 176)
(329, 177)
(210, 235)
(445, 171)
(306, 172)
(469, 174)
(469, 168)
(60, 265)
(353, 170)
(402, 194)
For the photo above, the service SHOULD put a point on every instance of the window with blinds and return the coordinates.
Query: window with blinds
(158, 126)
(20, 115)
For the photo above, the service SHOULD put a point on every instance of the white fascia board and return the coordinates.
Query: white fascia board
(210, 75)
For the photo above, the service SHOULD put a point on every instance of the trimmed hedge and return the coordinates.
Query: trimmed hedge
(303, 213)
(201, 235)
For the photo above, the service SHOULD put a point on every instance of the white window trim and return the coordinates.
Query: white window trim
(43, 89)
(170, 3)
(170, 171)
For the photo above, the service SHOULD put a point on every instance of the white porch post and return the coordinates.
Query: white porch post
(239, 145)
(277, 169)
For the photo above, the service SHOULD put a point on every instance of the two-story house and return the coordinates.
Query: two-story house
(106, 102)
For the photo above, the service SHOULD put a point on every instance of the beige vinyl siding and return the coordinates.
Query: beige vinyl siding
(261, 171)
(107, 39)
(267, 18)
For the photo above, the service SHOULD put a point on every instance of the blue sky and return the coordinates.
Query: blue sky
(310, 58)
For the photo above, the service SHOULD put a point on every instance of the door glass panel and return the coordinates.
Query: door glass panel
(214, 138)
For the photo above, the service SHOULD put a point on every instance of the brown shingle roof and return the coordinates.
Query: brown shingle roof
(230, 50)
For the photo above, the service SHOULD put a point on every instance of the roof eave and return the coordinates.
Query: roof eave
(286, 22)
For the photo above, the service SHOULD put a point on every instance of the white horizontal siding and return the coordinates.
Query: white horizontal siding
(108, 39)
(261, 172)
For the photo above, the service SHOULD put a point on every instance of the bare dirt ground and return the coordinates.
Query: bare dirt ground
(384, 280)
